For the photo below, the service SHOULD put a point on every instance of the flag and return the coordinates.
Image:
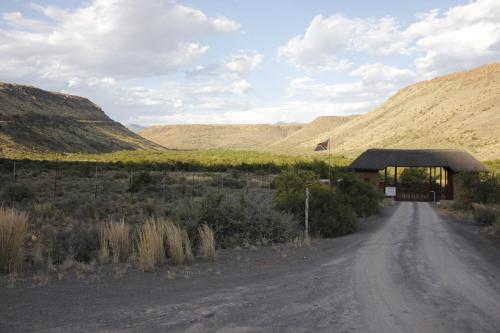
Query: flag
(322, 145)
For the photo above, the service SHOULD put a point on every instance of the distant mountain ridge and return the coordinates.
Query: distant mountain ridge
(35, 120)
(244, 137)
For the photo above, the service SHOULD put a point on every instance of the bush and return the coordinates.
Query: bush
(17, 193)
(241, 220)
(83, 242)
(414, 176)
(479, 188)
(333, 209)
(138, 181)
(484, 215)
(43, 210)
(329, 214)
(13, 228)
(56, 244)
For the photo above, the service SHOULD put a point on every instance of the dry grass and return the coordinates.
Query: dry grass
(103, 254)
(173, 235)
(13, 228)
(119, 240)
(150, 248)
(38, 253)
(207, 242)
(188, 252)
(301, 241)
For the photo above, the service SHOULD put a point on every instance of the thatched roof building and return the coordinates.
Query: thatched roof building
(454, 160)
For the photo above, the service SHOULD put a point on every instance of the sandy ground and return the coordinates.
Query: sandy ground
(411, 269)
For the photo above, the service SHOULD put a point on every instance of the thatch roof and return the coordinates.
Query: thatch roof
(455, 160)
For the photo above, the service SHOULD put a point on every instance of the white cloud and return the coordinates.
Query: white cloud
(377, 82)
(244, 62)
(326, 38)
(462, 37)
(124, 38)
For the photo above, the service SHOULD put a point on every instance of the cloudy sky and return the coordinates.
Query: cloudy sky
(240, 61)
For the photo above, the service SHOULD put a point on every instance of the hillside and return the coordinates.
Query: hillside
(297, 141)
(245, 137)
(34, 120)
(460, 110)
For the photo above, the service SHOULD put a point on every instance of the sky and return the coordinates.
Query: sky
(240, 61)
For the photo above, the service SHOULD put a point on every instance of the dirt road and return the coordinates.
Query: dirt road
(412, 269)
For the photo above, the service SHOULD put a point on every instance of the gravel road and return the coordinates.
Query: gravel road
(411, 269)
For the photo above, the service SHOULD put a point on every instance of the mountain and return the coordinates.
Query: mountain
(460, 110)
(299, 141)
(250, 137)
(35, 120)
(134, 127)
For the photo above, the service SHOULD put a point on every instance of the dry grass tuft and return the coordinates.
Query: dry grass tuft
(13, 228)
(173, 236)
(103, 255)
(188, 252)
(207, 242)
(150, 248)
(119, 240)
(301, 241)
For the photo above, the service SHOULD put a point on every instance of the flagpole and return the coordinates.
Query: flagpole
(329, 161)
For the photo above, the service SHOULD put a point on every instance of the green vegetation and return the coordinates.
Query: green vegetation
(493, 165)
(185, 160)
(414, 176)
(333, 210)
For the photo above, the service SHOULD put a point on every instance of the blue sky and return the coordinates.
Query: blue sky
(240, 61)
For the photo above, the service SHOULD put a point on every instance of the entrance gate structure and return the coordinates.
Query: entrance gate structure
(443, 165)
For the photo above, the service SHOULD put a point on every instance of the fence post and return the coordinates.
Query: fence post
(163, 187)
(14, 173)
(55, 185)
(95, 191)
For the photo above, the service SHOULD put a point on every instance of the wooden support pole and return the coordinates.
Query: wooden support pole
(306, 222)
(14, 173)
(395, 176)
(385, 178)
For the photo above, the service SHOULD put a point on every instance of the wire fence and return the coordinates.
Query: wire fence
(116, 192)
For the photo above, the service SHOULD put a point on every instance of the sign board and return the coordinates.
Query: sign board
(390, 191)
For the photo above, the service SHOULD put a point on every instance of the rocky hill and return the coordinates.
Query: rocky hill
(34, 120)
(460, 110)
(249, 137)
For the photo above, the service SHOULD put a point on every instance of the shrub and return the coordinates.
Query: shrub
(56, 244)
(414, 176)
(83, 242)
(333, 209)
(138, 181)
(207, 242)
(240, 220)
(479, 188)
(43, 210)
(484, 215)
(150, 248)
(329, 215)
(360, 195)
(17, 193)
(13, 228)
